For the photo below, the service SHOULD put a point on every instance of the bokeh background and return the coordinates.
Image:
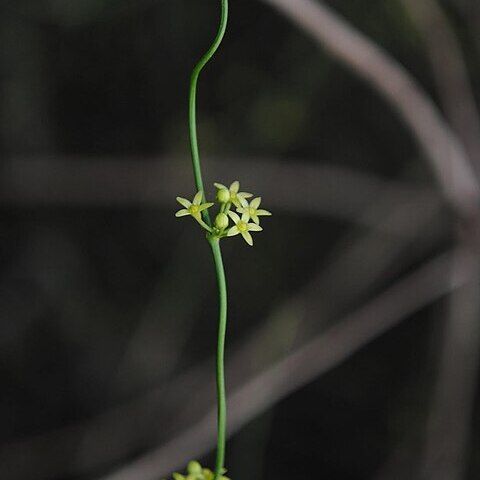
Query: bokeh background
(353, 327)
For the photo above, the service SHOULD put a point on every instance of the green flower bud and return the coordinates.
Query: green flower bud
(223, 195)
(221, 221)
(194, 467)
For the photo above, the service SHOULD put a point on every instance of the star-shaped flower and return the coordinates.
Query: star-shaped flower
(252, 210)
(194, 208)
(236, 197)
(242, 227)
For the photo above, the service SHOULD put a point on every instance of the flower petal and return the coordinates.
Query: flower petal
(255, 203)
(233, 231)
(197, 199)
(234, 187)
(220, 186)
(241, 200)
(207, 474)
(182, 213)
(263, 212)
(204, 206)
(184, 202)
(234, 216)
(248, 238)
(245, 194)
(245, 214)
(254, 228)
(256, 219)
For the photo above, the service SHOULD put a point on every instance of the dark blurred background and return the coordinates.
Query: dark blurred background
(353, 323)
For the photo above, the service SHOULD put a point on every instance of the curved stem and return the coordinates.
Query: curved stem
(222, 328)
(214, 244)
(193, 101)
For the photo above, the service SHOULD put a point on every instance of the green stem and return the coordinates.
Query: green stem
(222, 328)
(197, 172)
(214, 244)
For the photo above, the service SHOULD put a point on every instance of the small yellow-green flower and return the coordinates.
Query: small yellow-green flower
(236, 197)
(196, 472)
(252, 210)
(194, 208)
(208, 475)
(242, 227)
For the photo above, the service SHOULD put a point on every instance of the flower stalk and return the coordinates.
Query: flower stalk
(214, 244)
(228, 198)
(220, 363)
(192, 115)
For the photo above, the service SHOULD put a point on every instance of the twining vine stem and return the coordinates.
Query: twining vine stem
(197, 172)
(222, 327)
(215, 246)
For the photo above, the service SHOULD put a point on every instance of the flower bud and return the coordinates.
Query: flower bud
(223, 195)
(194, 468)
(221, 221)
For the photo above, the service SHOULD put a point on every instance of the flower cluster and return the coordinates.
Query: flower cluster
(246, 219)
(196, 472)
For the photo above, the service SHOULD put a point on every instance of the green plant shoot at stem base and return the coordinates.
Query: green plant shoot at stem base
(196, 472)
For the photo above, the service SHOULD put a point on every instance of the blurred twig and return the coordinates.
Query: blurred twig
(369, 61)
(450, 72)
(85, 181)
(455, 174)
(306, 363)
(450, 416)
(116, 433)
(444, 450)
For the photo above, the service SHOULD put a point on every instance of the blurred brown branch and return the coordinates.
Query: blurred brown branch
(451, 413)
(371, 62)
(454, 171)
(86, 182)
(77, 182)
(116, 433)
(450, 416)
(306, 363)
(450, 72)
